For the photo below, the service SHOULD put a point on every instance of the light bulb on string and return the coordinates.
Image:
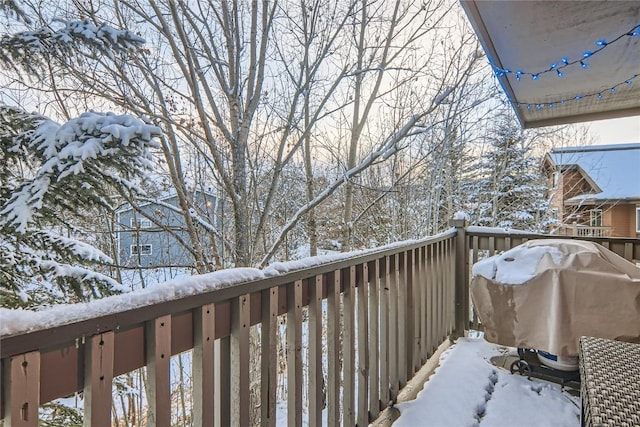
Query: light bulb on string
(566, 61)
(560, 73)
(576, 98)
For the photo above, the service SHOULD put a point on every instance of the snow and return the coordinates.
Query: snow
(515, 266)
(468, 390)
(614, 168)
(65, 149)
(496, 230)
(21, 321)
(460, 215)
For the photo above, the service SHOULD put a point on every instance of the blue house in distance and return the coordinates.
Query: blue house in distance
(155, 235)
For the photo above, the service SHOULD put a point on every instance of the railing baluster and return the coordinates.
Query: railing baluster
(222, 405)
(240, 326)
(413, 364)
(422, 268)
(374, 321)
(158, 343)
(333, 351)
(203, 365)
(22, 390)
(315, 352)
(440, 295)
(269, 356)
(363, 345)
(394, 322)
(294, 354)
(403, 321)
(348, 348)
(417, 310)
(474, 258)
(385, 285)
(98, 377)
(431, 296)
(452, 285)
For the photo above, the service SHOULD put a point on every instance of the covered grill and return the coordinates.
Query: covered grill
(545, 294)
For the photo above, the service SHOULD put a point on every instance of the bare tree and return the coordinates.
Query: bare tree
(250, 87)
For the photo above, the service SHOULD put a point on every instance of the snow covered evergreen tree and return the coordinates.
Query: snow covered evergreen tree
(51, 173)
(510, 190)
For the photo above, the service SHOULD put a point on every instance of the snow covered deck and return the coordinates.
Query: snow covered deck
(468, 390)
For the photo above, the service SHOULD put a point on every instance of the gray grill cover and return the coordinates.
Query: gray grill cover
(554, 291)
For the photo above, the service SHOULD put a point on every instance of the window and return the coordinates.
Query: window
(637, 220)
(595, 217)
(141, 250)
(140, 223)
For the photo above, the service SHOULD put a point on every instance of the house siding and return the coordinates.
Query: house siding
(166, 247)
(621, 221)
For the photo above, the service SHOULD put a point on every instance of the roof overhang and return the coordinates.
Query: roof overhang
(530, 36)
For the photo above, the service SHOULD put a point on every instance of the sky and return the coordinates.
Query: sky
(615, 131)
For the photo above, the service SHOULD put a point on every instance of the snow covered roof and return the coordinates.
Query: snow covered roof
(615, 169)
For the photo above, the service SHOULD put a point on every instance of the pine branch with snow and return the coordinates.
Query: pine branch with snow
(52, 172)
(33, 49)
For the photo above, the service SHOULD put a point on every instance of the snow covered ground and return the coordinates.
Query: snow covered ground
(467, 390)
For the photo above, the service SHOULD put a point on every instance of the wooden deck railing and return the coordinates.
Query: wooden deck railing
(386, 313)
(382, 314)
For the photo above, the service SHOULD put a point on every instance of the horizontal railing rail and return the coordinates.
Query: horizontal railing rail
(381, 313)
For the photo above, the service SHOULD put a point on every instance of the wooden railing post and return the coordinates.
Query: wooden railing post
(98, 377)
(461, 278)
(158, 345)
(21, 390)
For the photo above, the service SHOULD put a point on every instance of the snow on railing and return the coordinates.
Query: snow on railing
(372, 319)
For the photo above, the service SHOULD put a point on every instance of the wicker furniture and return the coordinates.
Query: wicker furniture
(610, 376)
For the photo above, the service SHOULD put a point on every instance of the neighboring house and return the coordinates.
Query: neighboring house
(151, 237)
(596, 189)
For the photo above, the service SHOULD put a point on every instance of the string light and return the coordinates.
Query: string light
(577, 98)
(565, 61)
